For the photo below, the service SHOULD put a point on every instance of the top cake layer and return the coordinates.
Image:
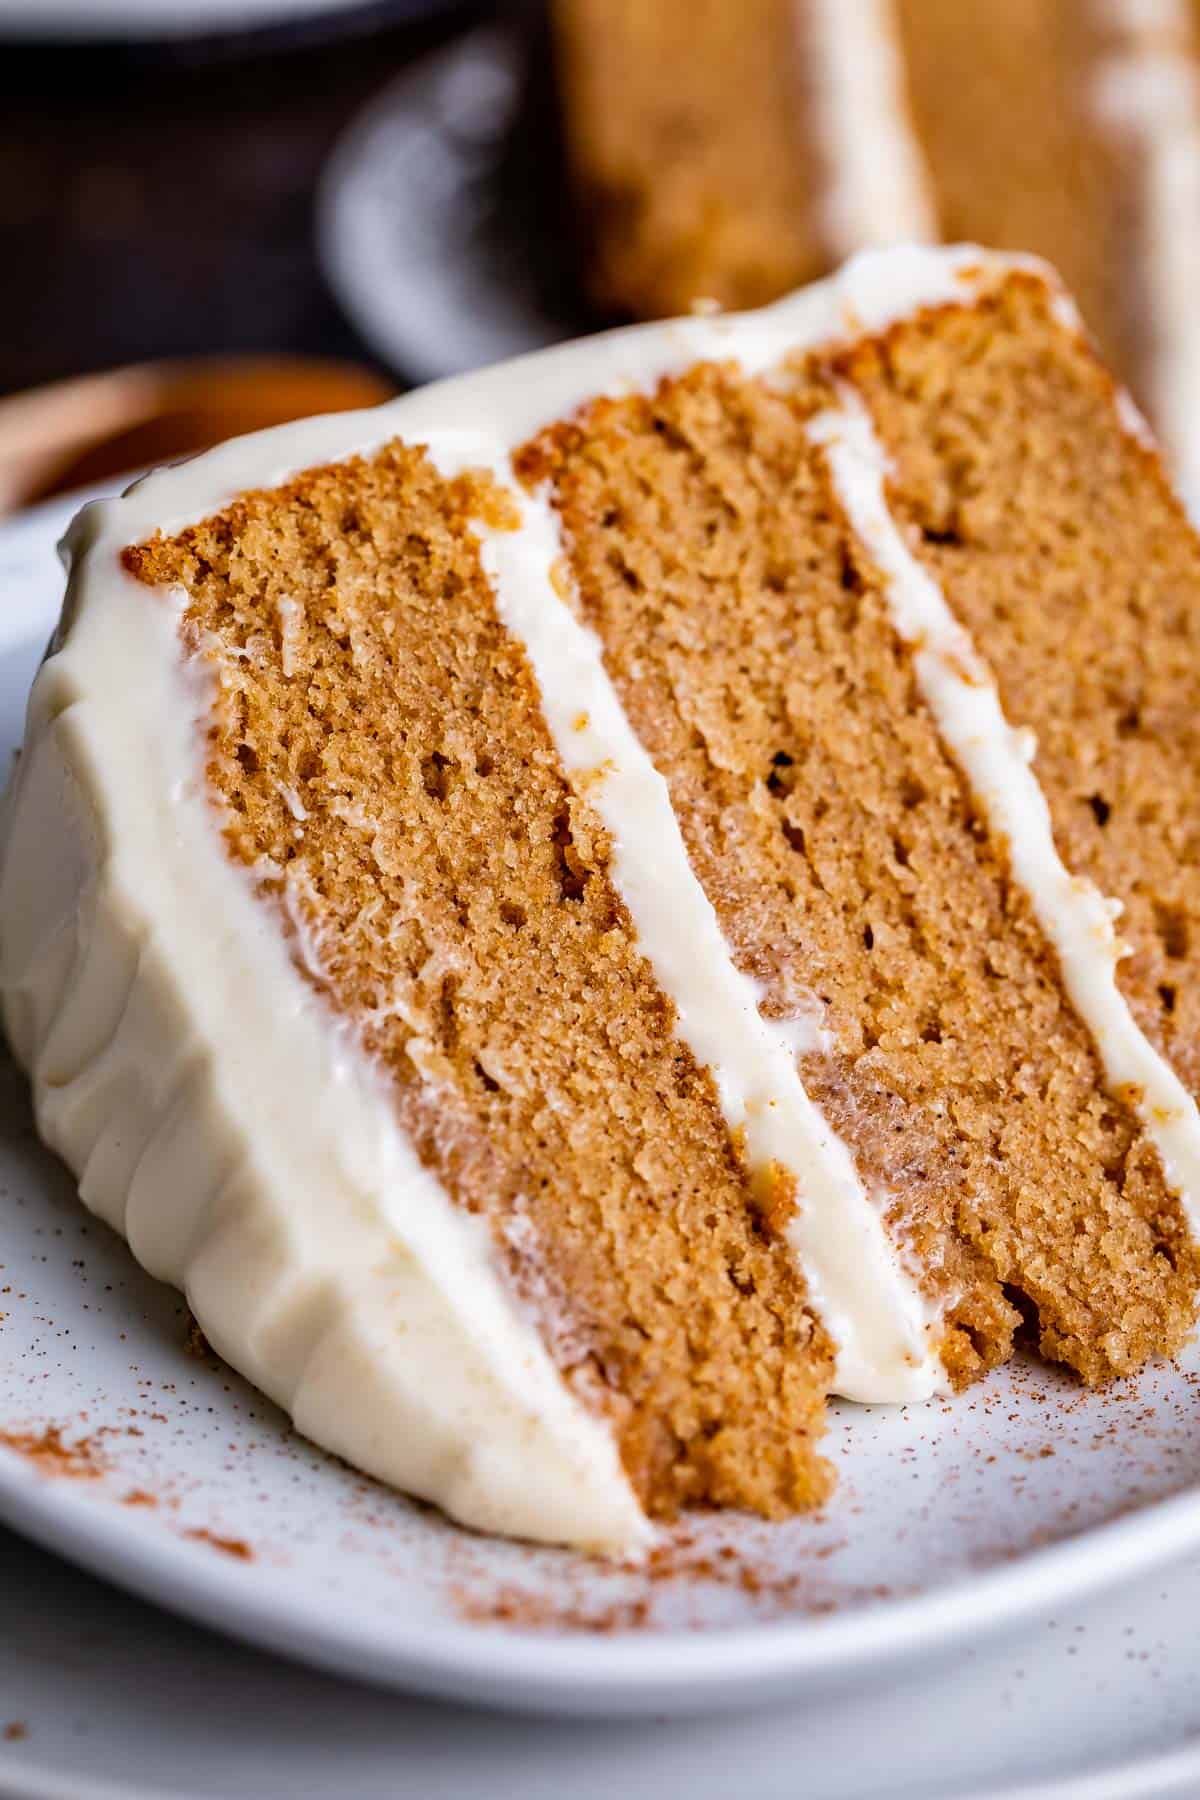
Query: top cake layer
(633, 799)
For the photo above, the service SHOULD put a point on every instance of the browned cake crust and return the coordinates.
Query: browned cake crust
(845, 855)
(386, 771)
(689, 135)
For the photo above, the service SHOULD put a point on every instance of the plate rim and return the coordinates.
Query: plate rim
(625, 1673)
(1159, 1775)
(363, 302)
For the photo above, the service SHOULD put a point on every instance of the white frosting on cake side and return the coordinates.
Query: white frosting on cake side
(169, 1034)
(877, 189)
(1148, 90)
(217, 1116)
(997, 760)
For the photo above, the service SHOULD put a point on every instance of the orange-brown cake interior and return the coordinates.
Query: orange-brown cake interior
(849, 863)
(1007, 103)
(382, 766)
(1062, 548)
(690, 132)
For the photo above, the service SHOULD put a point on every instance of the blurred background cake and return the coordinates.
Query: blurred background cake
(427, 186)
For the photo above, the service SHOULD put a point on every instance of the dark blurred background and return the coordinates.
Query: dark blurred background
(157, 199)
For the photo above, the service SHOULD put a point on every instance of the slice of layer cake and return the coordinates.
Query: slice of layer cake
(794, 132)
(577, 913)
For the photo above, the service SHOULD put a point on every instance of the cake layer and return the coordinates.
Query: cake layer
(837, 819)
(1092, 633)
(1073, 131)
(449, 894)
(595, 957)
(1026, 75)
(187, 1074)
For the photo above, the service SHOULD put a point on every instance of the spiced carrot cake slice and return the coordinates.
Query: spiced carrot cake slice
(792, 133)
(586, 909)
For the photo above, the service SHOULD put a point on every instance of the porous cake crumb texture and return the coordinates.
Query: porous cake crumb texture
(849, 863)
(386, 778)
(1061, 546)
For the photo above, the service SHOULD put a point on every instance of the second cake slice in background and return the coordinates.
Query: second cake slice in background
(729, 149)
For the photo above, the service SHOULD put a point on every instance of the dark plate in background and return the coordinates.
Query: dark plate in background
(215, 24)
(442, 225)
(156, 199)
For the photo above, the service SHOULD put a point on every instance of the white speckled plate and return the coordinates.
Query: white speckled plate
(165, 1473)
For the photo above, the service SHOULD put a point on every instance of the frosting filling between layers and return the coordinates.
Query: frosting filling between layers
(869, 1304)
(997, 760)
(127, 1029)
(877, 1314)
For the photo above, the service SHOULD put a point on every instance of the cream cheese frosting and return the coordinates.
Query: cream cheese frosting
(884, 1335)
(168, 1031)
(997, 760)
(168, 1034)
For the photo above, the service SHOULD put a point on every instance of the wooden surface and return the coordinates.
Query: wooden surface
(73, 434)
(158, 203)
